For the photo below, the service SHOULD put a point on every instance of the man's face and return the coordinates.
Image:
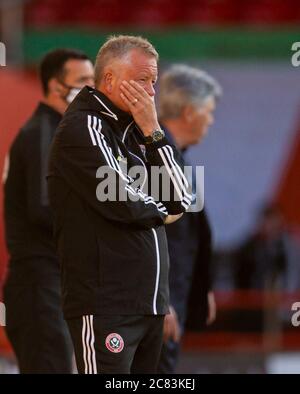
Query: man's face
(79, 73)
(136, 66)
(198, 121)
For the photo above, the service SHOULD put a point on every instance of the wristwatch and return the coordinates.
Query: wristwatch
(156, 136)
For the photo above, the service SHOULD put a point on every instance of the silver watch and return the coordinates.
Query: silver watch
(156, 136)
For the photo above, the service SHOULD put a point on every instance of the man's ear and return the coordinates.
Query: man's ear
(188, 113)
(54, 86)
(108, 81)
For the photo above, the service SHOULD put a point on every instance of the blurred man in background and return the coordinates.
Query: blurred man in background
(187, 102)
(35, 325)
(261, 261)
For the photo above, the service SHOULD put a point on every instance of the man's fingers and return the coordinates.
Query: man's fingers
(133, 91)
(171, 329)
(212, 308)
(177, 333)
(132, 98)
(174, 332)
(172, 218)
(137, 87)
(125, 99)
(211, 317)
(166, 330)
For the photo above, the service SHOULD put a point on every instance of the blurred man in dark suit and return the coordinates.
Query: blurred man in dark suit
(186, 105)
(32, 295)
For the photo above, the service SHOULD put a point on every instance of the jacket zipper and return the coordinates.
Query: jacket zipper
(157, 272)
(153, 231)
(109, 113)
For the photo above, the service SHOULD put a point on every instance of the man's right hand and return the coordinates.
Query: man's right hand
(172, 218)
(212, 308)
(171, 326)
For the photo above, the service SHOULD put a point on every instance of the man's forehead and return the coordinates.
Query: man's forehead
(209, 104)
(141, 61)
(76, 65)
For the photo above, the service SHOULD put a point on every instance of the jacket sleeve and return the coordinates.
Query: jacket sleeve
(202, 279)
(24, 206)
(178, 196)
(15, 194)
(84, 159)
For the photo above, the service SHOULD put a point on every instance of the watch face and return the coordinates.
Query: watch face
(157, 135)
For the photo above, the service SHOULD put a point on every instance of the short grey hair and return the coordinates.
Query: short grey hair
(117, 47)
(181, 85)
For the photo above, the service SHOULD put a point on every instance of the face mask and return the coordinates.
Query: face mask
(72, 94)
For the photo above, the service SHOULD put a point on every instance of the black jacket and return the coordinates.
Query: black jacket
(28, 218)
(190, 251)
(113, 253)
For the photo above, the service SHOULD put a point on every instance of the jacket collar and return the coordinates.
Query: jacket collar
(118, 119)
(44, 108)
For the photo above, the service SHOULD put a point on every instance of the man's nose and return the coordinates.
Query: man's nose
(150, 90)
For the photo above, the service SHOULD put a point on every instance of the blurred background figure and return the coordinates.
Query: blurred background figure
(34, 321)
(261, 261)
(268, 261)
(187, 101)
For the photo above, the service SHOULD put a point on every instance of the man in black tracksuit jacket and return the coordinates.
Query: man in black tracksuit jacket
(35, 326)
(113, 253)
